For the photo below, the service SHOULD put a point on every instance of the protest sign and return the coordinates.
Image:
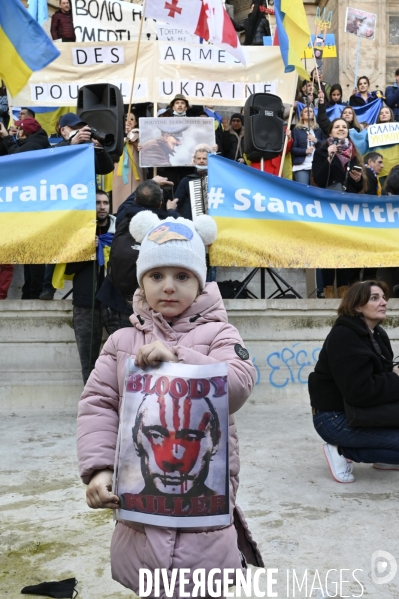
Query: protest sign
(172, 458)
(383, 134)
(327, 44)
(110, 21)
(169, 33)
(48, 206)
(266, 221)
(360, 23)
(173, 141)
(390, 152)
(203, 73)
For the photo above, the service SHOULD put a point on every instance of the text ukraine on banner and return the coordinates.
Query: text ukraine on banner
(265, 221)
(24, 46)
(47, 206)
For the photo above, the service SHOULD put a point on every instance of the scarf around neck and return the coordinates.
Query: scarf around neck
(345, 150)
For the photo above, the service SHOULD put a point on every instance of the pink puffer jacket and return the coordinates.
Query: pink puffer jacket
(201, 335)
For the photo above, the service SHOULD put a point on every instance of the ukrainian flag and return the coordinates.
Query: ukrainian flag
(24, 46)
(293, 34)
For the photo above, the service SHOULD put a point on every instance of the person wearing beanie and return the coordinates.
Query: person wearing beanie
(178, 317)
(30, 136)
(233, 138)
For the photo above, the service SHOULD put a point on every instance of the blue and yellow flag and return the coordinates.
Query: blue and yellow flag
(267, 221)
(24, 46)
(48, 206)
(293, 34)
(39, 10)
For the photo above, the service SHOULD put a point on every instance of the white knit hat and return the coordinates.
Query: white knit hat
(172, 242)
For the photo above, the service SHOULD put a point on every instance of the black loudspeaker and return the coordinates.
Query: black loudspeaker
(264, 127)
(101, 106)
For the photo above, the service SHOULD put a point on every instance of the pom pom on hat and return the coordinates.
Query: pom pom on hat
(142, 223)
(172, 242)
(206, 228)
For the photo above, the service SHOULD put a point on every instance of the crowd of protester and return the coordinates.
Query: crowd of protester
(319, 152)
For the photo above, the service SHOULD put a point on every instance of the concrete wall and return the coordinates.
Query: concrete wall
(39, 366)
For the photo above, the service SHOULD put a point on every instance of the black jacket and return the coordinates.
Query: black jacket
(183, 193)
(88, 276)
(325, 174)
(356, 100)
(119, 298)
(36, 141)
(130, 208)
(103, 161)
(230, 144)
(349, 367)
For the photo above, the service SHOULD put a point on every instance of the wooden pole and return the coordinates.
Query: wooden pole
(357, 62)
(136, 60)
(286, 140)
(155, 107)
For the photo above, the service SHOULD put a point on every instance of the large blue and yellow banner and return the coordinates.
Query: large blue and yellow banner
(48, 206)
(267, 221)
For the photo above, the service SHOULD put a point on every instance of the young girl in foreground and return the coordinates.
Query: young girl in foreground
(177, 318)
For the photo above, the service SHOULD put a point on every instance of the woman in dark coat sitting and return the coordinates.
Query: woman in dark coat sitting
(356, 365)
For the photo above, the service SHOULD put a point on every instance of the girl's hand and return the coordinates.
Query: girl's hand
(321, 96)
(153, 353)
(312, 138)
(309, 150)
(98, 492)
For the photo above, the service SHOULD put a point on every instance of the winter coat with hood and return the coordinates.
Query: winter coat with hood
(199, 336)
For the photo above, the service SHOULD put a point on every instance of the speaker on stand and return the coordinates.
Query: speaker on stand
(101, 106)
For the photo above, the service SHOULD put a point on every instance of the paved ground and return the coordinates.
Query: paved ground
(301, 518)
